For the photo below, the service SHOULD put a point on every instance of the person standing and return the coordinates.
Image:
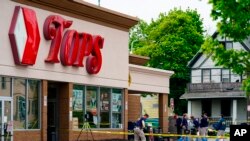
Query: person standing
(195, 126)
(184, 124)
(221, 127)
(203, 125)
(138, 130)
(178, 125)
(185, 128)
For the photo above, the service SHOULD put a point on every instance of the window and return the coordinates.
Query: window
(206, 75)
(33, 108)
(91, 106)
(78, 106)
(26, 99)
(227, 44)
(5, 89)
(103, 107)
(3, 81)
(116, 108)
(19, 108)
(225, 75)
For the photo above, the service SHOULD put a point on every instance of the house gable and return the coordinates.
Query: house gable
(204, 70)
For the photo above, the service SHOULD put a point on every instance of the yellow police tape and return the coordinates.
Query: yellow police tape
(154, 134)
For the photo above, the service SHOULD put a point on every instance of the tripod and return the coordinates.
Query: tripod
(86, 126)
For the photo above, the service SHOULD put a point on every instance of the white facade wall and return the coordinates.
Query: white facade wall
(198, 62)
(196, 108)
(237, 46)
(216, 108)
(149, 79)
(235, 77)
(208, 64)
(114, 71)
(241, 110)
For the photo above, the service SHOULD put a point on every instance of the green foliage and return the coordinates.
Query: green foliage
(233, 21)
(170, 41)
(237, 60)
(233, 17)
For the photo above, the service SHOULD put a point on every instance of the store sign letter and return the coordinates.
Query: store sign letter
(24, 36)
(73, 45)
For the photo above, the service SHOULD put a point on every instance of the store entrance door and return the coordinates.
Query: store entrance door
(6, 120)
(52, 115)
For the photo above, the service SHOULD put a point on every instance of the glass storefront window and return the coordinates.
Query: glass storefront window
(19, 104)
(91, 106)
(5, 86)
(116, 108)
(78, 106)
(26, 99)
(105, 107)
(33, 108)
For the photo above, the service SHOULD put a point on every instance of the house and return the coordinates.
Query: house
(216, 90)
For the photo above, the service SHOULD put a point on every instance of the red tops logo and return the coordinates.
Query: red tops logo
(73, 45)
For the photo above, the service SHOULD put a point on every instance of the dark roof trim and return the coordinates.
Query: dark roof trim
(245, 46)
(194, 59)
(216, 33)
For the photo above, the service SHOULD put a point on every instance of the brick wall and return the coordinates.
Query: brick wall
(27, 136)
(134, 107)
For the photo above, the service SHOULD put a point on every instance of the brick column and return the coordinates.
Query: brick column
(65, 123)
(125, 125)
(44, 103)
(163, 112)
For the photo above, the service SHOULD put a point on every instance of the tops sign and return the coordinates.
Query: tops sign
(73, 45)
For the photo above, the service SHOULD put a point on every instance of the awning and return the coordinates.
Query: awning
(205, 95)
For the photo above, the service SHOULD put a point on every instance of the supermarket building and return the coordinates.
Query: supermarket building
(63, 59)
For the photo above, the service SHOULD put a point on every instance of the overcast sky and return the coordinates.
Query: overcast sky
(148, 9)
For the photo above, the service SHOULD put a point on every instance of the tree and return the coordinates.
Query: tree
(170, 41)
(233, 22)
(233, 18)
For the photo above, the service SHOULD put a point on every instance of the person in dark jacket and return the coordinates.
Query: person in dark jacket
(184, 123)
(195, 125)
(178, 124)
(221, 127)
(138, 130)
(204, 125)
